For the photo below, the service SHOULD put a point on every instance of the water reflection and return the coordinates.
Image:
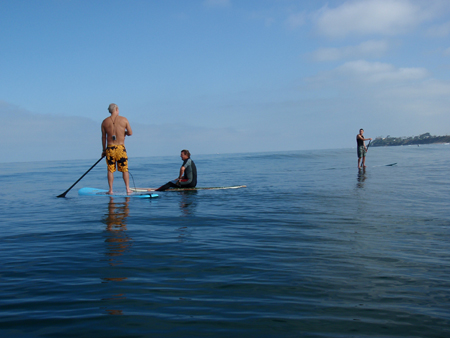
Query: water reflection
(117, 244)
(188, 202)
(361, 178)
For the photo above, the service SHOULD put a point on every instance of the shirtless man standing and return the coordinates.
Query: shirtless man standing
(114, 130)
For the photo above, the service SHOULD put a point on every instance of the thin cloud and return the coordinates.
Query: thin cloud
(408, 90)
(376, 72)
(360, 74)
(371, 48)
(217, 3)
(371, 79)
(386, 17)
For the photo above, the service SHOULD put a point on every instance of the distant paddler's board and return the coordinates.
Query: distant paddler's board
(190, 189)
(386, 165)
(102, 192)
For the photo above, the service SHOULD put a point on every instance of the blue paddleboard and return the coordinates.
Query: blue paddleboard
(103, 192)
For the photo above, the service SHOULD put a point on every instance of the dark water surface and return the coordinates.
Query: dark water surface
(311, 248)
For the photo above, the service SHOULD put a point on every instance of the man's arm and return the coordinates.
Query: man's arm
(128, 131)
(103, 140)
(364, 139)
(182, 169)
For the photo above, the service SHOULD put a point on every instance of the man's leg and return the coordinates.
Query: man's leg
(167, 186)
(110, 181)
(126, 180)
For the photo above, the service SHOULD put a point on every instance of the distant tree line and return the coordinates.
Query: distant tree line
(404, 141)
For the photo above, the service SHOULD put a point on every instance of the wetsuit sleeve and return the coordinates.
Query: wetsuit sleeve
(187, 163)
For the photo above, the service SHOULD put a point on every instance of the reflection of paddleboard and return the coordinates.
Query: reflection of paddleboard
(186, 189)
(386, 165)
(102, 192)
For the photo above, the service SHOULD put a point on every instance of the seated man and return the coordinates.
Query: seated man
(188, 174)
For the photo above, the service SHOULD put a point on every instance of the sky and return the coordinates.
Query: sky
(219, 76)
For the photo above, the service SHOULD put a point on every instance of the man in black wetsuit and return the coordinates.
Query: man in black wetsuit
(188, 174)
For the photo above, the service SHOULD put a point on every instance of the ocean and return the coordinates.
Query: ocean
(312, 247)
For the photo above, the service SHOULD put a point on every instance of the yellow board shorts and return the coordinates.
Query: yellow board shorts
(116, 154)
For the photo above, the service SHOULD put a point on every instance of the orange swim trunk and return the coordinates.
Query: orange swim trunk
(116, 154)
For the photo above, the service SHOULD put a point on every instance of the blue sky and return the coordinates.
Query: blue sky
(220, 76)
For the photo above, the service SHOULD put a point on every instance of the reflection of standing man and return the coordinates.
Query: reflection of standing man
(114, 130)
(362, 150)
(361, 179)
(116, 226)
(118, 243)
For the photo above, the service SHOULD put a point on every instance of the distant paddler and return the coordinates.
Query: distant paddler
(361, 148)
(187, 177)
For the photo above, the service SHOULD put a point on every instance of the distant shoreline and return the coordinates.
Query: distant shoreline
(413, 140)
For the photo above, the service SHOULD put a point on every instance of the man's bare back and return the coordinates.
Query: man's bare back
(117, 126)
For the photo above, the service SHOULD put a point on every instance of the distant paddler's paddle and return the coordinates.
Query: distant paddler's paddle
(65, 192)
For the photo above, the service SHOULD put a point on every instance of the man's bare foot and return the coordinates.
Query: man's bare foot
(109, 192)
(129, 192)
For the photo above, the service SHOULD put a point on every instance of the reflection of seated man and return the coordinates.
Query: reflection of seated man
(188, 174)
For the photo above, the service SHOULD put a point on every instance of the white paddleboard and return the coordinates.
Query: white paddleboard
(187, 189)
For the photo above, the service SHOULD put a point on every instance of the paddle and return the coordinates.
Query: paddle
(367, 149)
(65, 192)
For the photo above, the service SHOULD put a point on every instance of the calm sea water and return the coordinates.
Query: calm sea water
(311, 248)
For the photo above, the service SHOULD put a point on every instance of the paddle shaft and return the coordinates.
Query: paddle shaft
(65, 192)
(367, 149)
